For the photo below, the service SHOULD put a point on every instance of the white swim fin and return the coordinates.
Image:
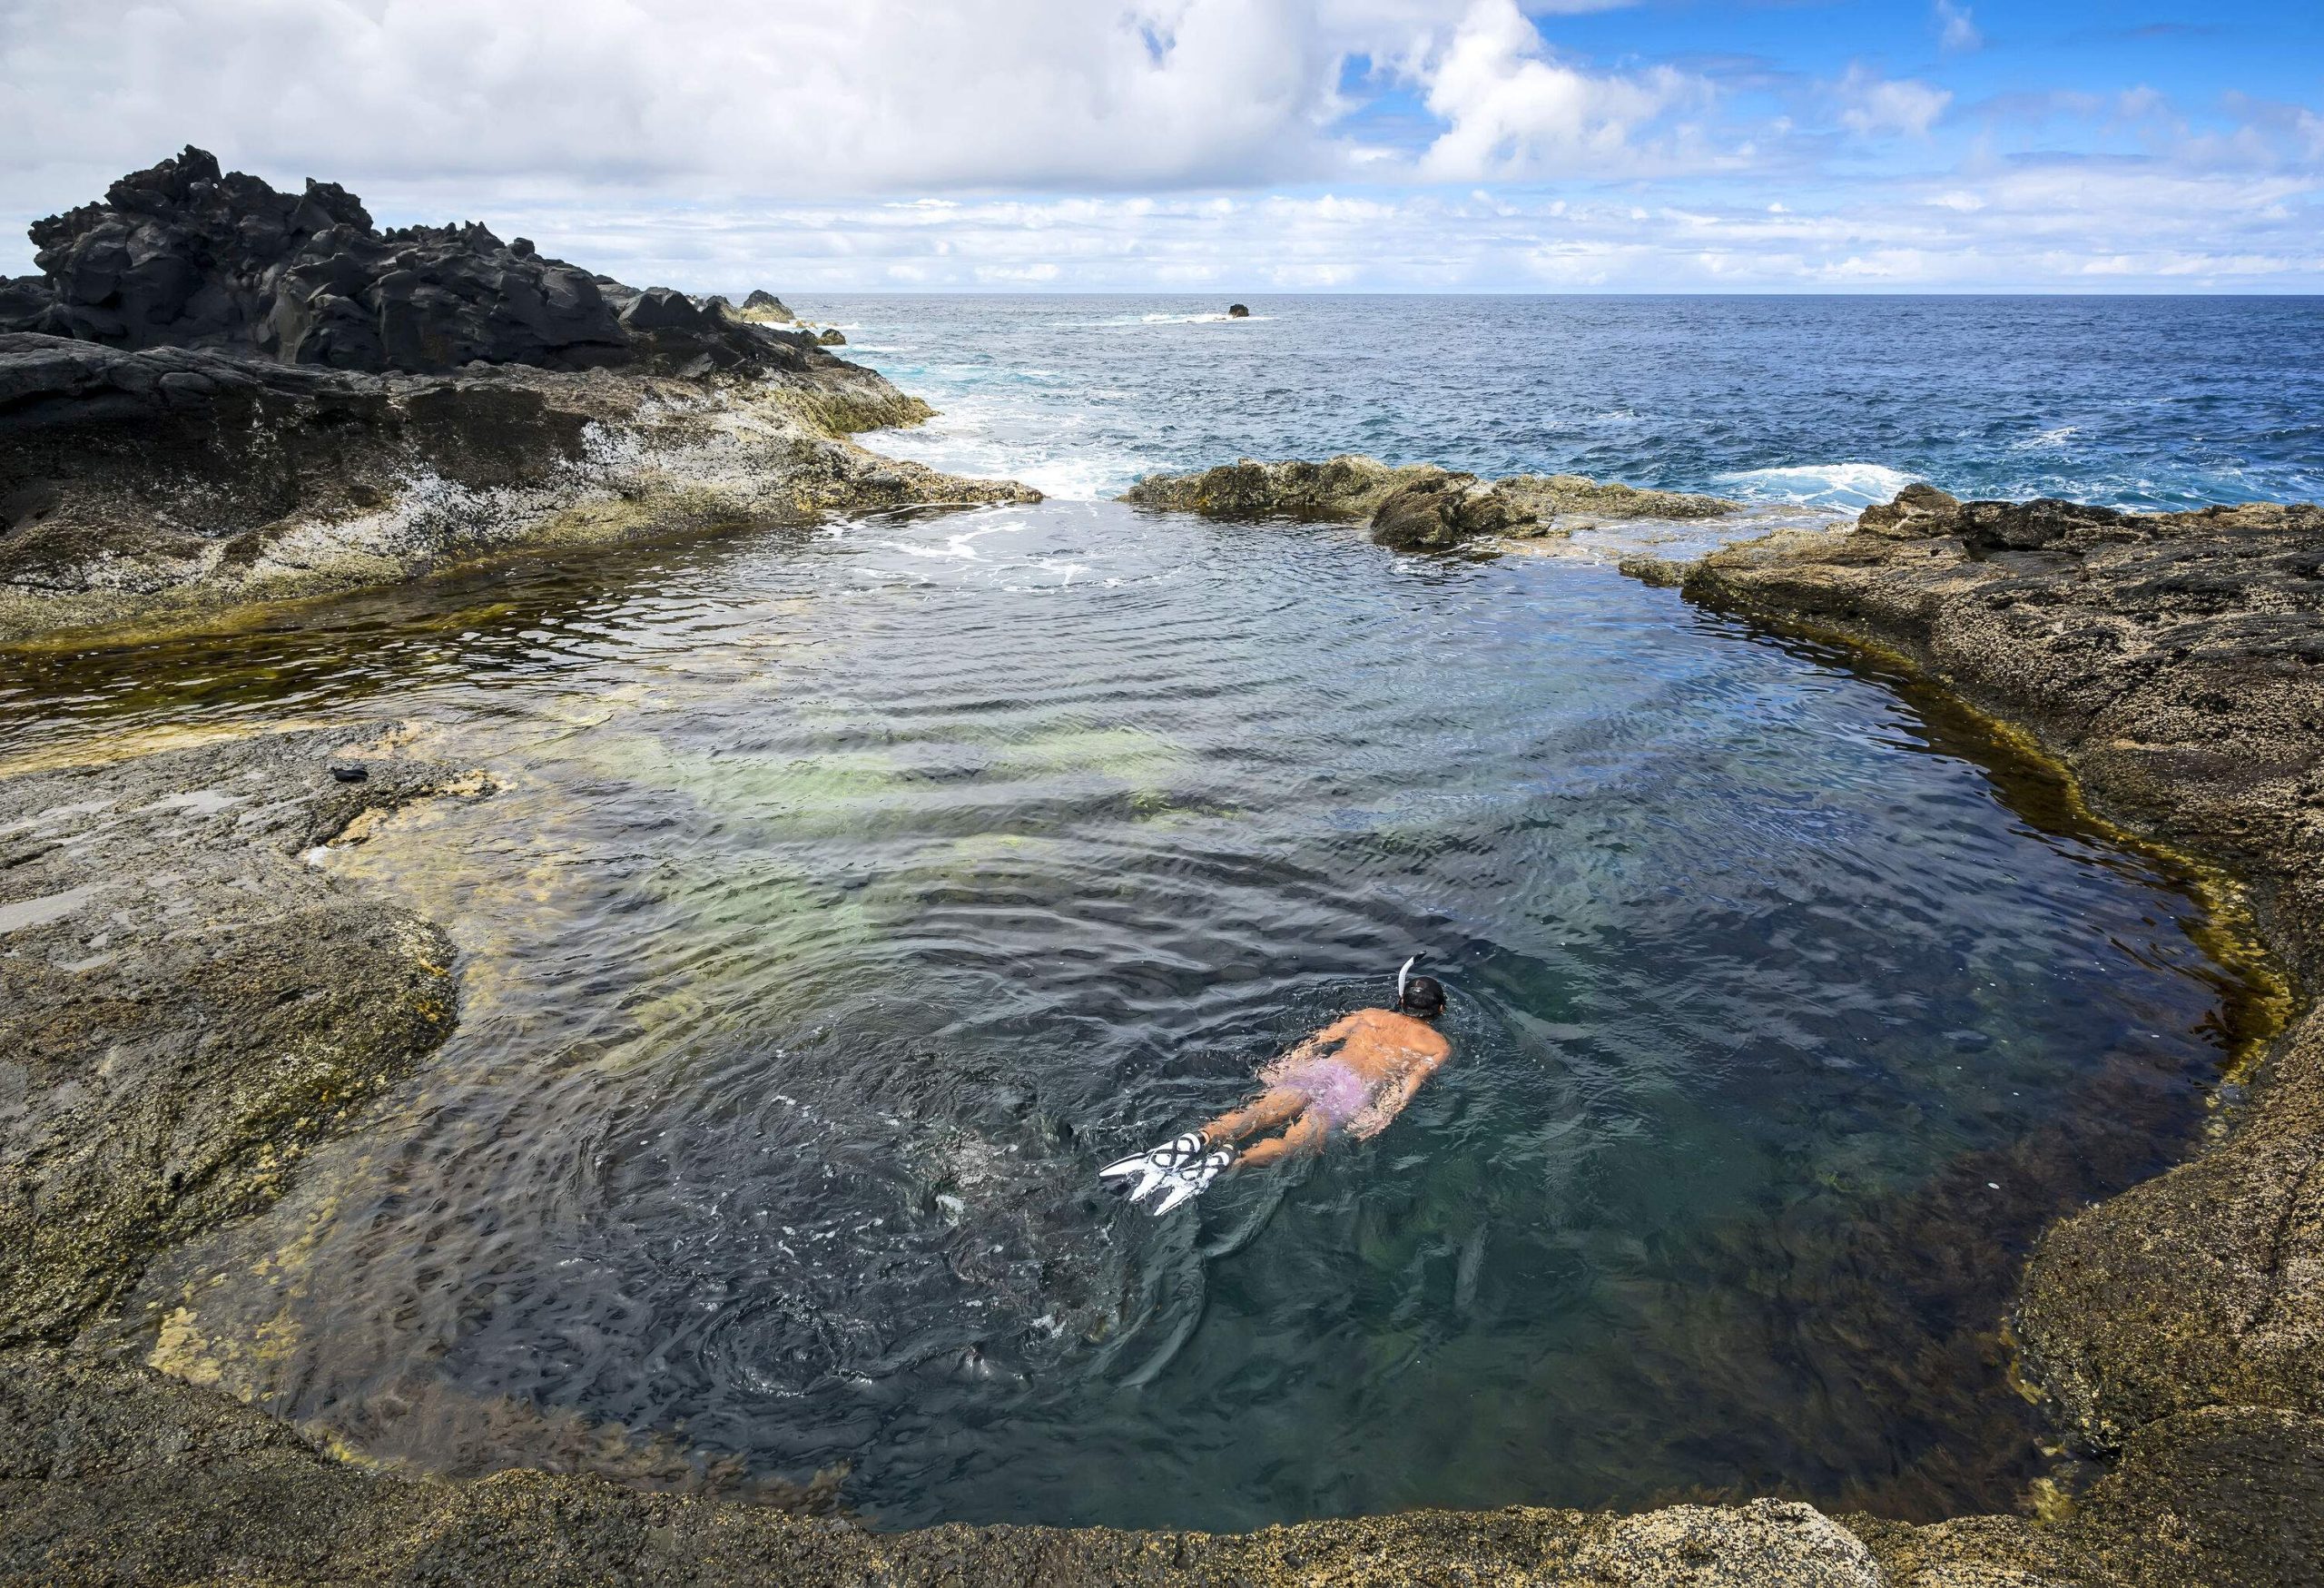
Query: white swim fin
(1194, 1179)
(1179, 1169)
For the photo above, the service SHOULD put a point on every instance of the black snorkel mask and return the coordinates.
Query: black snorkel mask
(1420, 997)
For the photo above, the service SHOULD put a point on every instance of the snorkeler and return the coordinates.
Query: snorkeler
(1354, 1076)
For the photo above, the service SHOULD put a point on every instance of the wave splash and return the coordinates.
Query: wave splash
(1820, 485)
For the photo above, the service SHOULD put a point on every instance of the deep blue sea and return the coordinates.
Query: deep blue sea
(853, 893)
(2149, 402)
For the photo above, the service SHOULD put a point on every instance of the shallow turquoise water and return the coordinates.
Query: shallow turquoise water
(856, 893)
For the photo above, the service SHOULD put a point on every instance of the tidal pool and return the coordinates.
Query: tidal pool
(851, 896)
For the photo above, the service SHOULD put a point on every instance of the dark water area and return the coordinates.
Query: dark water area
(853, 895)
(2131, 402)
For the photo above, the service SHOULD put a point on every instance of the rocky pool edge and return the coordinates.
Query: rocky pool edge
(2174, 1323)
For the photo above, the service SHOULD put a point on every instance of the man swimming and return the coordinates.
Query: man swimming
(1354, 1076)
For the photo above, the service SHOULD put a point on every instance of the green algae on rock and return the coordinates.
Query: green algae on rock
(1415, 508)
(186, 1006)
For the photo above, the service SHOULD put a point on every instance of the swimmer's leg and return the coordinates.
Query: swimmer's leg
(1262, 1114)
(1306, 1135)
(1184, 1167)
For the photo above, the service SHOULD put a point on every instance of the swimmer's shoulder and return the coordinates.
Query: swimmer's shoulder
(1393, 1025)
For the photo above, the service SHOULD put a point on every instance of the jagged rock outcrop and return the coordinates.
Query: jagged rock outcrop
(185, 255)
(218, 392)
(1416, 507)
(763, 305)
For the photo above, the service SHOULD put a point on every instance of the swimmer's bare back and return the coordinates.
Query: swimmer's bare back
(1351, 1078)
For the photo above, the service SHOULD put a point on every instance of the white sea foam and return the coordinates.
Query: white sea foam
(1820, 485)
(992, 437)
(2047, 440)
(962, 548)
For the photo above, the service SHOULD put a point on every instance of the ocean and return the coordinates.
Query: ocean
(2128, 402)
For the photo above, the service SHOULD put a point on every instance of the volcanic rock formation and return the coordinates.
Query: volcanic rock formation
(184, 255)
(1416, 507)
(218, 392)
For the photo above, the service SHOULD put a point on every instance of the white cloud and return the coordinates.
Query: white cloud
(789, 97)
(1125, 145)
(1871, 105)
(786, 96)
(1957, 30)
(2132, 223)
(1511, 108)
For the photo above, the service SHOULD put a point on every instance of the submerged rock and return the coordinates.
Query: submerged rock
(1415, 508)
(185, 255)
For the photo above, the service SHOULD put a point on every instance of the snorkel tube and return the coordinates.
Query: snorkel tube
(1405, 975)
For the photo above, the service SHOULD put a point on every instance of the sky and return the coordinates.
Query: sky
(1236, 146)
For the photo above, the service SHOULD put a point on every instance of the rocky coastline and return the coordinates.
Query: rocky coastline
(187, 1006)
(217, 393)
(2170, 661)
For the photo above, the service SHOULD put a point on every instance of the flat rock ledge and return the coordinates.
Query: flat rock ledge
(166, 483)
(1418, 506)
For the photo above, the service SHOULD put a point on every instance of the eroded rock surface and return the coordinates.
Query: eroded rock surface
(180, 480)
(1415, 508)
(2176, 662)
(122, 1475)
(218, 393)
(185, 1005)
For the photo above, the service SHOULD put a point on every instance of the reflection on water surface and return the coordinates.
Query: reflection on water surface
(852, 897)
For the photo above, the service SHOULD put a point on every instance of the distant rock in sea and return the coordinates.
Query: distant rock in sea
(1238, 312)
(831, 338)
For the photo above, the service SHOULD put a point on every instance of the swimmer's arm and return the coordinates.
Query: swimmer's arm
(1316, 1041)
(1393, 1098)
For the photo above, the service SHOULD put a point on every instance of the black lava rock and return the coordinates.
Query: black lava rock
(186, 256)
